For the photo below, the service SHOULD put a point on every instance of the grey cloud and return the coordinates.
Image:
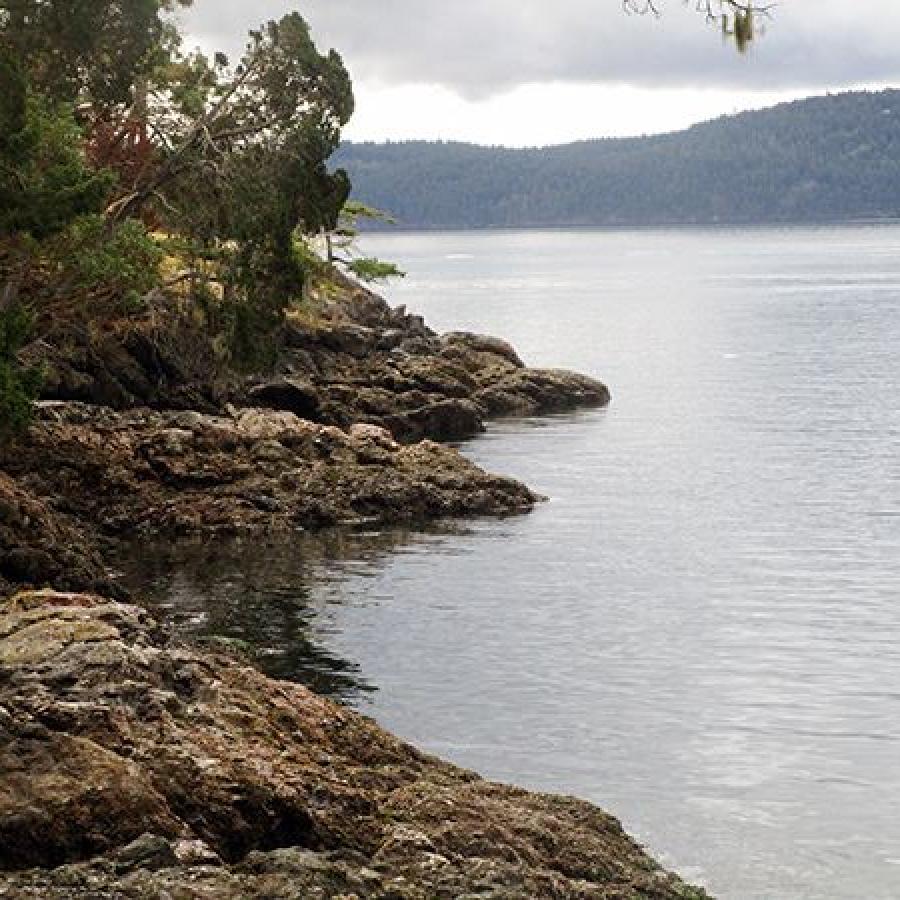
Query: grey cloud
(481, 47)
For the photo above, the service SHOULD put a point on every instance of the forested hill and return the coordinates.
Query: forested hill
(823, 158)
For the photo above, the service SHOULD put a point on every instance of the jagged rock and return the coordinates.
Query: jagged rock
(355, 360)
(119, 472)
(345, 339)
(40, 545)
(135, 767)
(368, 363)
(138, 364)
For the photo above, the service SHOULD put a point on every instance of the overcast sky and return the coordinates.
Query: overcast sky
(531, 72)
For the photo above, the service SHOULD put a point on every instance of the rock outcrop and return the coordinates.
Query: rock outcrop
(356, 360)
(40, 545)
(162, 360)
(134, 767)
(84, 470)
(369, 363)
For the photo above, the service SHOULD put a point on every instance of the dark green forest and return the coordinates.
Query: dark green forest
(820, 159)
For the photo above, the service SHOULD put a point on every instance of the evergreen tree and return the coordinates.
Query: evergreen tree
(93, 50)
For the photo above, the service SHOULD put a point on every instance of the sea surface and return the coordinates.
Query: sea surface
(700, 631)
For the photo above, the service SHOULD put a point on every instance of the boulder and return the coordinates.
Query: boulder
(482, 343)
(445, 420)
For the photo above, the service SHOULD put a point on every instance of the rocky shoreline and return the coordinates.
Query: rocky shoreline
(85, 476)
(132, 765)
(141, 431)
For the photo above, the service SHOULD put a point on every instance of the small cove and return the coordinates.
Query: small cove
(699, 630)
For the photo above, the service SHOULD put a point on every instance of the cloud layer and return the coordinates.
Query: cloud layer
(478, 48)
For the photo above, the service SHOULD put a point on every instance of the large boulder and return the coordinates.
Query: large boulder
(482, 343)
(445, 420)
(530, 392)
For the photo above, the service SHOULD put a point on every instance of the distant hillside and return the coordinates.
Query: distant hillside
(824, 158)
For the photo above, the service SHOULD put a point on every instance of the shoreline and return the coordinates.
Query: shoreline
(142, 775)
(196, 776)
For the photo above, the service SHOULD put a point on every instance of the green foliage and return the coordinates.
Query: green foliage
(343, 240)
(354, 214)
(122, 257)
(44, 181)
(250, 330)
(230, 162)
(245, 169)
(821, 159)
(18, 386)
(370, 269)
(79, 49)
(190, 81)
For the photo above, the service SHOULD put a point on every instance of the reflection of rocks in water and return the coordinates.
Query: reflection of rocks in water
(141, 768)
(269, 593)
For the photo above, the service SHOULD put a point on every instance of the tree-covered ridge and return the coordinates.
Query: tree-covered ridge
(824, 158)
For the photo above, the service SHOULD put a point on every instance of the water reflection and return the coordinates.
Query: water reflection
(699, 631)
(272, 596)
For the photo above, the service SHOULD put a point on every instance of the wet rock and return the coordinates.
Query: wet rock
(244, 787)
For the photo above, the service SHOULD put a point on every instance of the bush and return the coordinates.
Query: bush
(18, 386)
(44, 182)
(121, 259)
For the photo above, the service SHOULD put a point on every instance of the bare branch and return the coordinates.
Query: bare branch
(736, 18)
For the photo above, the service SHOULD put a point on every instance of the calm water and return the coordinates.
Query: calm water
(701, 630)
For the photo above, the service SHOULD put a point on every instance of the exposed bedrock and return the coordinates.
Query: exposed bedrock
(357, 360)
(132, 766)
(84, 472)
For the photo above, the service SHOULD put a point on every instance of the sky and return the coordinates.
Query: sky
(538, 72)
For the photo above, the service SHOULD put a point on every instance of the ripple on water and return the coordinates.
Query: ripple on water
(699, 631)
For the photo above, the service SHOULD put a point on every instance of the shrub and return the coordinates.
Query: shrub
(18, 386)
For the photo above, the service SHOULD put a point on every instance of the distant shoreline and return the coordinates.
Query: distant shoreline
(822, 159)
(638, 226)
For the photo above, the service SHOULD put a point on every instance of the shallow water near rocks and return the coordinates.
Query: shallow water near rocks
(701, 630)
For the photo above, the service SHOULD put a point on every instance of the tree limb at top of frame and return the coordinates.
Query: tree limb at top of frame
(737, 20)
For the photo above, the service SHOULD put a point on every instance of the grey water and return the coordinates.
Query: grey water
(700, 631)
